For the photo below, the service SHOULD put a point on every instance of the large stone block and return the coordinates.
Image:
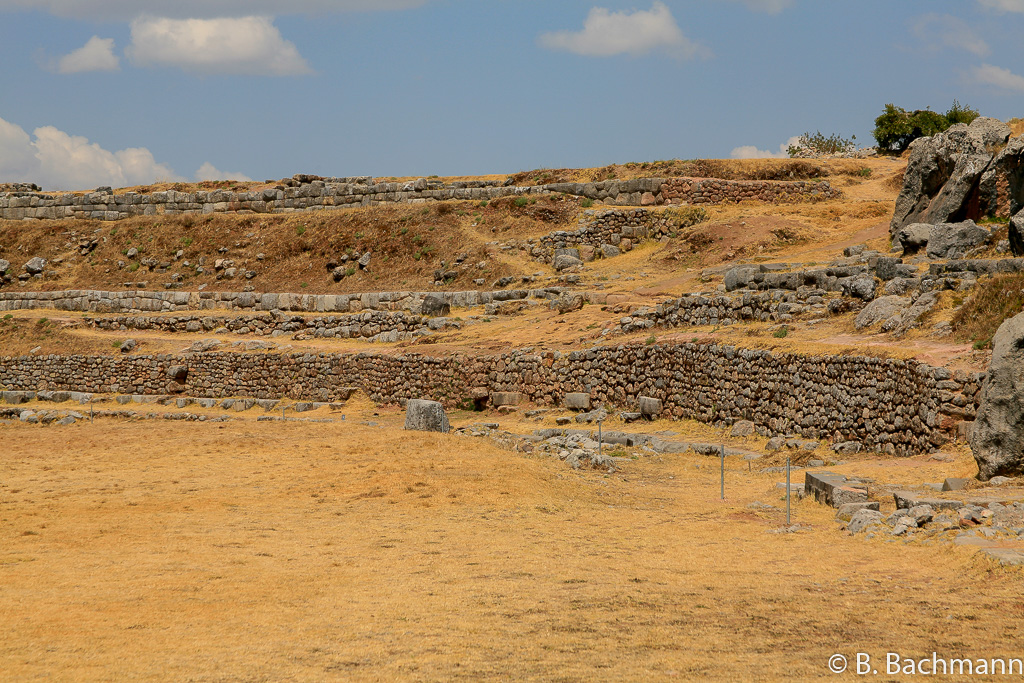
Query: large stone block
(505, 398)
(426, 416)
(833, 489)
(577, 401)
(650, 407)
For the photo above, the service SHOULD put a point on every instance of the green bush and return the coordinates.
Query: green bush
(896, 128)
(820, 144)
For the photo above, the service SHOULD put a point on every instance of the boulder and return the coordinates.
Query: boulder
(567, 303)
(1016, 236)
(860, 287)
(609, 250)
(944, 173)
(425, 416)
(739, 277)
(863, 519)
(4, 267)
(881, 309)
(128, 345)
(35, 266)
(888, 268)
(913, 238)
(566, 262)
(577, 401)
(953, 240)
(908, 319)
(997, 439)
(434, 304)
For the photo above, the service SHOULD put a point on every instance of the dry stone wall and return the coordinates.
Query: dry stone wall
(321, 194)
(720, 309)
(379, 326)
(895, 406)
(98, 301)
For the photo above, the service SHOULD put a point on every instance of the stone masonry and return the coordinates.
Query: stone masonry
(323, 194)
(894, 406)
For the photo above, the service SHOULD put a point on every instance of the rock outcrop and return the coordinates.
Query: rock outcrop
(1017, 235)
(944, 178)
(998, 436)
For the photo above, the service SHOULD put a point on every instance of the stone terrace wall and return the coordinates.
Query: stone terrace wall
(700, 309)
(895, 406)
(97, 301)
(373, 325)
(319, 194)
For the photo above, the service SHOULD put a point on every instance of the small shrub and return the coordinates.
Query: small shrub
(820, 144)
(304, 285)
(864, 172)
(117, 344)
(133, 267)
(350, 271)
(651, 340)
(359, 235)
(300, 230)
(520, 202)
(186, 241)
(781, 333)
(8, 317)
(587, 203)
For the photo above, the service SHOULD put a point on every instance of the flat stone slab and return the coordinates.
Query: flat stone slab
(908, 499)
(834, 490)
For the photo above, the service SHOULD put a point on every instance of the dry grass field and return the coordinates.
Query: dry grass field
(255, 551)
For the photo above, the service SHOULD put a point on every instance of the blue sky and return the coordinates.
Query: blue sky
(130, 91)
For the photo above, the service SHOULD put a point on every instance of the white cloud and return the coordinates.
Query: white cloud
(937, 31)
(1003, 5)
(999, 77)
(752, 152)
(767, 6)
(244, 45)
(607, 33)
(210, 172)
(121, 10)
(55, 160)
(95, 55)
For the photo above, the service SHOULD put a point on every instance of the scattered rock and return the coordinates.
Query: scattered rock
(35, 266)
(864, 519)
(567, 303)
(128, 345)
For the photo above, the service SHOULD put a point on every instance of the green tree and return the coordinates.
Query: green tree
(896, 128)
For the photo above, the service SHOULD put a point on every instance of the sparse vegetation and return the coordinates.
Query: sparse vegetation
(819, 143)
(991, 303)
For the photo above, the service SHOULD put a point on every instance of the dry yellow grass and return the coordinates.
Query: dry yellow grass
(260, 551)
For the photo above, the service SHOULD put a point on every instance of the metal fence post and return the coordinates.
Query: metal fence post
(723, 470)
(789, 491)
